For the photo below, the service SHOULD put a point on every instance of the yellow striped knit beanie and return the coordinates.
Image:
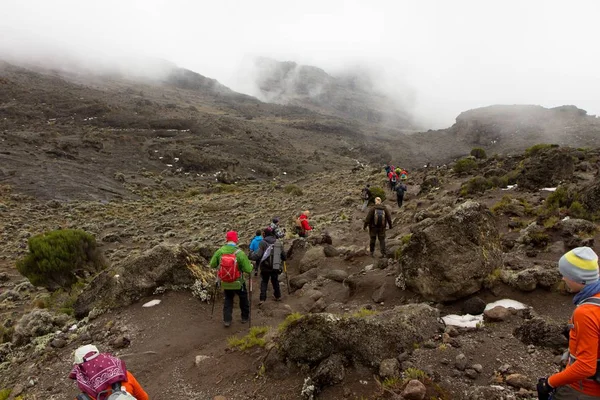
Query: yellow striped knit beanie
(579, 265)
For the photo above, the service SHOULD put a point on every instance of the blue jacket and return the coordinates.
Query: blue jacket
(255, 242)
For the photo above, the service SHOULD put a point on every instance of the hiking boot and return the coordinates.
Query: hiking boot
(277, 298)
(226, 324)
(244, 321)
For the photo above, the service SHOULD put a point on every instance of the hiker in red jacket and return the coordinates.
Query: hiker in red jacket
(393, 177)
(303, 225)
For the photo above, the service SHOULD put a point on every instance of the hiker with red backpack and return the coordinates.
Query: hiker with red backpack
(302, 225)
(270, 257)
(378, 217)
(102, 375)
(232, 263)
(580, 379)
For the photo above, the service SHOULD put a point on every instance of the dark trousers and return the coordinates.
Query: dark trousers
(392, 186)
(568, 393)
(400, 199)
(374, 234)
(273, 276)
(228, 304)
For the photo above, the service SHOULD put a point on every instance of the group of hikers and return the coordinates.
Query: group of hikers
(101, 376)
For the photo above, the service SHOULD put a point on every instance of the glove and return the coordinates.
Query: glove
(544, 389)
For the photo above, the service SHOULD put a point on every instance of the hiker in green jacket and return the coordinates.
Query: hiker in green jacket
(232, 263)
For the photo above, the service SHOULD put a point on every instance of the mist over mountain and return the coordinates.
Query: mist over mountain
(351, 94)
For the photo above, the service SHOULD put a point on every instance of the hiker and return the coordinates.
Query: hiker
(232, 263)
(270, 257)
(302, 224)
(376, 220)
(97, 374)
(403, 175)
(387, 169)
(398, 170)
(393, 179)
(580, 379)
(254, 247)
(400, 190)
(279, 231)
(365, 196)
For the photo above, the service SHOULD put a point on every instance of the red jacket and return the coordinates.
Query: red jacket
(304, 221)
(392, 174)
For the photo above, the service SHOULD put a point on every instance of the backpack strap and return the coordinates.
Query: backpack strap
(590, 300)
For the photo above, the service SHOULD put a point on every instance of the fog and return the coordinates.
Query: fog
(438, 58)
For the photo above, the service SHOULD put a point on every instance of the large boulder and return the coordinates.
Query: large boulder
(313, 258)
(591, 195)
(448, 258)
(540, 332)
(546, 168)
(139, 275)
(364, 340)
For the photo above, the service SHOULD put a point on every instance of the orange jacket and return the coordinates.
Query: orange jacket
(584, 351)
(133, 388)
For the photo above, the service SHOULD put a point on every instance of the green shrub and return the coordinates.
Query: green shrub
(577, 210)
(539, 239)
(414, 373)
(537, 148)
(252, 339)
(377, 192)
(293, 190)
(406, 238)
(363, 312)
(4, 394)
(6, 334)
(290, 319)
(56, 259)
(561, 197)
(479, 184)
(499, 181)
(465, 165)
(478, 153)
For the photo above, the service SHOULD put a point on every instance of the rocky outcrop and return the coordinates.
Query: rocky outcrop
(448, 258)
(37, 323)
(546, 168)
(139, 275)
(539, 332)
(364, 340)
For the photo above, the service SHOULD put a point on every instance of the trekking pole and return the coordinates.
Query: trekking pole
(287, 278)
(250, 302)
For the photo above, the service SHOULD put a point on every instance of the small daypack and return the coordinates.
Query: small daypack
(276, 256)
(379, 217)
(228, 268)
(394, 177)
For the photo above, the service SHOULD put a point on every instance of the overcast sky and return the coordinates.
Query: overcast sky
(449, 55)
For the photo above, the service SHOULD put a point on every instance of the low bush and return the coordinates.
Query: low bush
(376, 191)
(252, 339)
(5, 394)
(478, 153)
(290, 319)
(576, 210)
(479, 184)
(57, 259)
(465, 165)
(293, 190)
(537, 148)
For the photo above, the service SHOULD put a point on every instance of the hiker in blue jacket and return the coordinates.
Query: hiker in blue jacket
(254, 247)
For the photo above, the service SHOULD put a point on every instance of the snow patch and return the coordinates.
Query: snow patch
(152, 303)
(549, 189)
(463, 321)
(510, 187)
(506, 303)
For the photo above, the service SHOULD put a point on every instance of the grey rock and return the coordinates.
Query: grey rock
(540, 332)
(330, 371)
(474, 306)
(497, 314)
(461, 362)
(519, 381)
(337, 275)
(389, 368)
(378, 295)
(58, 343)
(330, 251)
(471, 373)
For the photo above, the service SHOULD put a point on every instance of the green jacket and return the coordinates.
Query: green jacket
(243, 264)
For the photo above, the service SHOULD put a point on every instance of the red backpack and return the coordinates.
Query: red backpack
(228, 268)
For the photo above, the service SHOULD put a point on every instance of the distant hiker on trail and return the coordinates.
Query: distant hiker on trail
(403, 175)
(279, 231)
(232, 263)
(400, 190)
(580, 379)
(302, 225)
(387, 168)
(398, 170)
(254, 247)
(270, 257)
(376, 220)
(365, 196)
(393, 177)
(99, 375)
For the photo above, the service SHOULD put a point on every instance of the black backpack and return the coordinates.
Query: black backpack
(365, 194)
(379, 217)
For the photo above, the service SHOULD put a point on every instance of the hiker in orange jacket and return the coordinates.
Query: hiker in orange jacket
(579, 268)
(304, 227)
(89, 362)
